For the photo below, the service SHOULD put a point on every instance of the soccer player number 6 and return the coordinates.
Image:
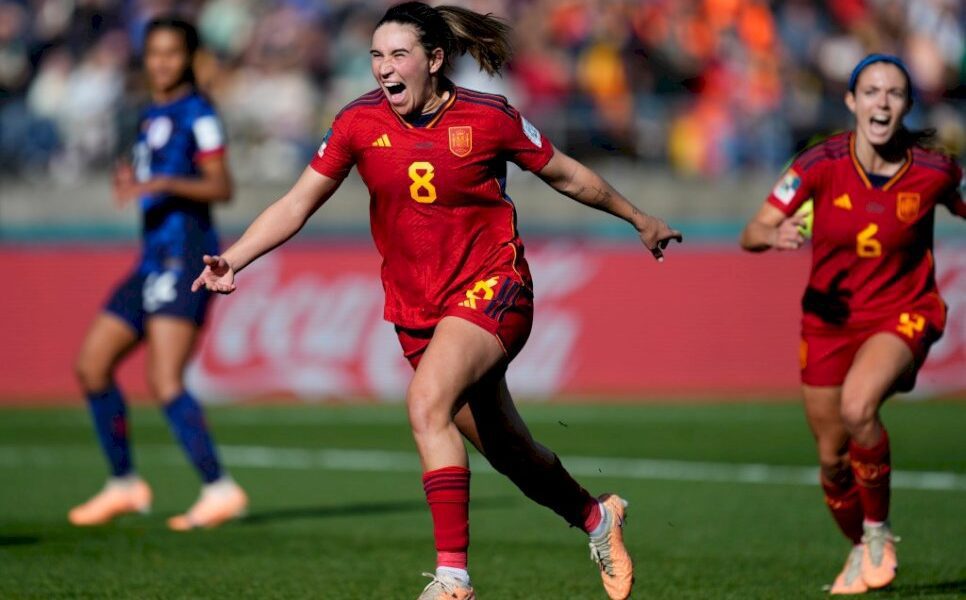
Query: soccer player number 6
(866, 245)
(421, 190)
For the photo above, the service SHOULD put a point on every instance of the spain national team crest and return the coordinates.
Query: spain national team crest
(907, 206)
(461, 140)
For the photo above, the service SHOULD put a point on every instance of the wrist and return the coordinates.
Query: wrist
(232, 262)
(639, 220)
(772, 238)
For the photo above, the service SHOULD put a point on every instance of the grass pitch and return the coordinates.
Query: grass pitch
(338, 510)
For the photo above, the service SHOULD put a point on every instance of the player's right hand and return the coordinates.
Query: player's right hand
(218, 276)
(787, 235)
(655, 234)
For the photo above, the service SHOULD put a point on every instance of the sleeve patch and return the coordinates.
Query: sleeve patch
(325, 142)
(532, 133)
(787, 186)
(208, 134)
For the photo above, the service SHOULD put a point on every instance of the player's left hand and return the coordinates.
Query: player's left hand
(128, 189)
(124, 184)
(218, 276)
(656, 235)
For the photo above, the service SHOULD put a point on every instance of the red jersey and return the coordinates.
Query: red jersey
(873, 242)
(439, 212)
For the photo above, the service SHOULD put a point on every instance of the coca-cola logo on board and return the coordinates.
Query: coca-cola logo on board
(289, 330)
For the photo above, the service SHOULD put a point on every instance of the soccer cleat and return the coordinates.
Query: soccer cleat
(120, 496)
(850, 579)
(879, 561)
(608, 551)
(443, 587)
(220, 501)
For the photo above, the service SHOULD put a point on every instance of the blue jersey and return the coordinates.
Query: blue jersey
(172, 138)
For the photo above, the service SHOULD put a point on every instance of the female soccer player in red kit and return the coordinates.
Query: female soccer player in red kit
(871, 309)
(457, 284)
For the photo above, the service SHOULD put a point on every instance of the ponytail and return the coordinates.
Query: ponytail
(908, 138)
(486, 38)
(457, 31)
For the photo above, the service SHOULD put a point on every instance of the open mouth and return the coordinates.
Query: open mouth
(879, 124)
(395, 90)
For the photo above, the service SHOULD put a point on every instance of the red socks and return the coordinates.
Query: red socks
(591, 515)
(448, 494)
(871, 467)
(842, 498)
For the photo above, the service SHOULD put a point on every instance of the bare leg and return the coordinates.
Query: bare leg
(490, 420)
(170, 343)
(878, 365)
(458, 356)
(106, 343)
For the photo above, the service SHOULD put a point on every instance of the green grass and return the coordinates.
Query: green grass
(333, 534)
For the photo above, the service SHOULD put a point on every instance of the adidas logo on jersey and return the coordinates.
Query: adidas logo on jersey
(843, 202)
(382, 141)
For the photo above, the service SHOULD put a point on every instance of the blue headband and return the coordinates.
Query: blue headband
(877, 58)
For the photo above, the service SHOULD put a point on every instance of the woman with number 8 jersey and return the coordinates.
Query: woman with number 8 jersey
(871, 310)
(179, 171)
(458, 288)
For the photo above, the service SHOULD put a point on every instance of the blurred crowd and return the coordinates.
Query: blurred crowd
(709, 87)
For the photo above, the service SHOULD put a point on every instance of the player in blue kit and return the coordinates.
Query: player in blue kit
(179, 170)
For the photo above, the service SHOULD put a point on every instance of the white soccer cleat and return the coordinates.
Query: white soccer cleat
(444, 587)
(120, 496)
(879, 560)
(850, 581)
(220, 501)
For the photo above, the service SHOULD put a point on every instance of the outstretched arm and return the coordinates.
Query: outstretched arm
(770, 228)
(277, 223)
(574, 180)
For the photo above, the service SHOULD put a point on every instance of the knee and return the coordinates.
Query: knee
(428, 409)
(164, 386)
(91, 375)
(858, 409)
(833, 465)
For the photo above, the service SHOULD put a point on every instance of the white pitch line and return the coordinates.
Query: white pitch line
(267, 457)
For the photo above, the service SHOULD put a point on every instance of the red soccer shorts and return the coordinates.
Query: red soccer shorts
(499, 304)
(827, 353)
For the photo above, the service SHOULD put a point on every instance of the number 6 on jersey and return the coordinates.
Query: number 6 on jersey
(422, 190)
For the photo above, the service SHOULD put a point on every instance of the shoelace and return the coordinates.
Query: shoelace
(853, 568)
(600, 549)
(600, 554)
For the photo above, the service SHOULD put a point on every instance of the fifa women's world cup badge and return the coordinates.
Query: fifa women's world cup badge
(461, 140)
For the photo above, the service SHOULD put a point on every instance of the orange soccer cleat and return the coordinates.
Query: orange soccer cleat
(443, 587)
(220, 501)
(879, 560)
(120, 496)
(850, 579)
(608, 551)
